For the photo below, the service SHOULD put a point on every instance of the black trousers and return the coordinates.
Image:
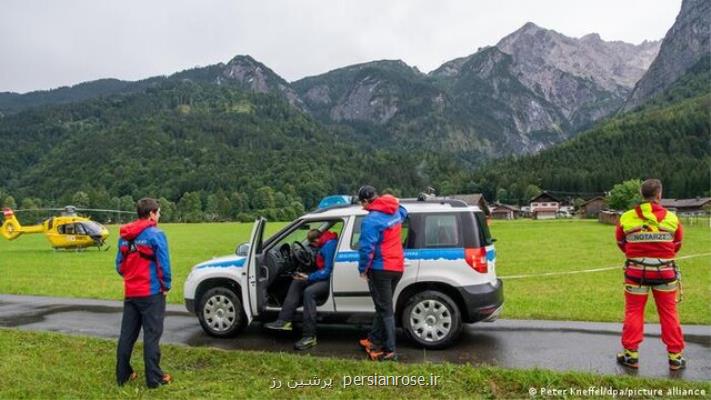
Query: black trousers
(310, 291)
(382, 287)
(146, 312)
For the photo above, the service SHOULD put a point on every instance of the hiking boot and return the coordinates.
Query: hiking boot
(305, 342)
(279, 325)
(367, 345)
(131, 378)
(676, 361)
(628, 358)
(165, 380)
(382, 356)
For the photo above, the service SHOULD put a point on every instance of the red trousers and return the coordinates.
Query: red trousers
(635, 301)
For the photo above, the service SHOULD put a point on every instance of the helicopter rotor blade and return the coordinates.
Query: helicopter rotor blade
(38, 209)
(74, 209)
(109, 211)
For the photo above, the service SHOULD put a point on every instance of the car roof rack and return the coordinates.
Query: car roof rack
(454, 203)
(329, 208)
(439, 200)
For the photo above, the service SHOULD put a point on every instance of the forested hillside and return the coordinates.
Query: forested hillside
(217, 152)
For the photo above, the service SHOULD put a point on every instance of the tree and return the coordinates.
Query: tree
(502, 196)
(531, 192)
(625, 195)
(81, 200)
(31, 204)
(577, 203)
(167, 210)
(9, 202)
(211, 213)
(190, 207)
(239, 204)
(263, 198)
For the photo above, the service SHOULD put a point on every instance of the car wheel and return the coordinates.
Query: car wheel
(220, 312)
(432, 319)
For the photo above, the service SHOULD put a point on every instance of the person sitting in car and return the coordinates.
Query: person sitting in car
(310, 287)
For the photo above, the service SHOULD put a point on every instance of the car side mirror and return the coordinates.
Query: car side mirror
(242, 249)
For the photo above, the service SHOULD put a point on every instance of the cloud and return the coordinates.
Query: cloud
(45, 43)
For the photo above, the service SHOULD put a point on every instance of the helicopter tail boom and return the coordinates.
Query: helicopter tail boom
(11, 228)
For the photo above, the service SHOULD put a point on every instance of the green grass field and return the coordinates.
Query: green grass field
(48, 366)
(526, 247)
(29, 266)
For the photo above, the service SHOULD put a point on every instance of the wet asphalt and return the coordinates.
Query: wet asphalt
(554, 345)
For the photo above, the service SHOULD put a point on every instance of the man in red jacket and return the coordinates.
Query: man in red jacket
(381, 261)
(650, 236)
(143, 262)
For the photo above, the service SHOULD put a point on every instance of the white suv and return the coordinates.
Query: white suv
(449, 278)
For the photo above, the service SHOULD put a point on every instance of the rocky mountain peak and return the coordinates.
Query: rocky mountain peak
(257, 77)
(591, 37)
(685, 45)
(397, 66)
(611, 65)
(528, 28)
(251, 74)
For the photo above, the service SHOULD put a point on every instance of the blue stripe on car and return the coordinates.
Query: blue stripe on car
(224, 264)
(456, 253)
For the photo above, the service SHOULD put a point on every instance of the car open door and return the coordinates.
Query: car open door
(249, 296)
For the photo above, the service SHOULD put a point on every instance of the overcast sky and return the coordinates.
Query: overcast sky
(50, 43)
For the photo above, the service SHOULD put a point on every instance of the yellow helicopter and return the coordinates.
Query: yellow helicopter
(65, 231)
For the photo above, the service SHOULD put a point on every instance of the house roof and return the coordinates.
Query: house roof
(545, 195)
(593, 199)
(686, 203)
(500, 207)
(471, 199)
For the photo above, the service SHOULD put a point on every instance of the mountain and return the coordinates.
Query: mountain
(248, 74)
(533, 89)
(489, 97)
(371, 92)
(15, 102)
(685, 45)
(585, 79)
(667, 138)
(393, 105)
(242, 71)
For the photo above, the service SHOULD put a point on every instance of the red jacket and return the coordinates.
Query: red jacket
(642, 234)
(142, 259)
(380, 244)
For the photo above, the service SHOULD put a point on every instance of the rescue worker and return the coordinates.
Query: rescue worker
(143, 262)
(309, 286)
(650, 236)
(381, 262)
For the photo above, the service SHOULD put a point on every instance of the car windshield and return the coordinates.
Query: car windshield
(91, 228)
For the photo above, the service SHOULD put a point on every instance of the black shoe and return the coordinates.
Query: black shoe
(676, 361)
(305, 342)
(279, 325)
(628, 358)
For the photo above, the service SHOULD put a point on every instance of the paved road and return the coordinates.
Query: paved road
(555, 345)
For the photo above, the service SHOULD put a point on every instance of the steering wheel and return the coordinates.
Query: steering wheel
(301, 255)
